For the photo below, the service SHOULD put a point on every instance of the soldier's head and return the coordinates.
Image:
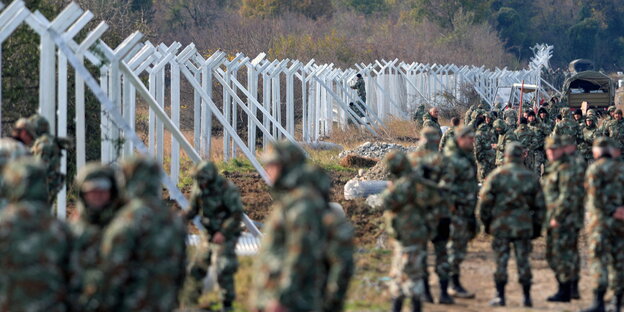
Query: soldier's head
(455, 121)
(10, 150)
(465, 138)
(568, 144)
(558, 118)
(554, 151)
(98, 191)
(531, 116)
(40, 124)
(514, 152)
(488, 117)
(281, 158)
(397, 163)
(602, 148)
(578, 114)
(543, 113)
(430, 137)
(618, 114)
(434, 112)
(611, 110)
(206, 173)
(591, 121)
(24, 131)
(478, 121)
(500, 126)
(359, 76)
(25, 179)
(142, 177)
(565, 112)
(591, 112)
(525, 113)
(523, 121)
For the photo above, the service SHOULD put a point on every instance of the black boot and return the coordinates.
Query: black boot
(397, 304)
(563, 294)
(427, 297)
(457, 290)
(526, 289)
(444, 296)
(598, 305)
(499, 300)
(227, 306)
(574, 290)
(416, 305)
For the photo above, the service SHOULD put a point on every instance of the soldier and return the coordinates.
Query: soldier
(360, 86)
(511, 207)
(449, 134)
(590, 133)
(217, 203)
(430, 164)
(430, 120)
(48, 149)
(338, 258)
(482, 109)
(512, 123)
(540, 132)
(526, 137)
(143, 248)
(546, 120)
(484, 154)
(23, 132)
(563, 190)
(468, 115)
(289, 270)
(605, 206)
(567, 126)
(418, 115)
(578, 117)
(505, 136)
(34, 268)
(10, 150)
(98, 201)
(615, 129)
(410, 224)
(461, 178)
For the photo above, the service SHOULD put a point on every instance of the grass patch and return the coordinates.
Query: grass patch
(236, 165)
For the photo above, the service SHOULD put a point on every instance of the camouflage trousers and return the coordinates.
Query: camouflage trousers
(539, 158)
(463, 230)
(606, 250)
(440, 249)
(502, 251)
(529, 161)
(407, 270)
(484, 168)
(224, 258)
(562, 253)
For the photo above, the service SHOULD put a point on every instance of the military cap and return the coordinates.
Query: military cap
(514, 150)
(464, 132)
(593, 118)
(552, 142)
(142, 176)
(397, 163)
(567, 140)
(611, 109)
(603, 142)
(591, 112)
(24, 124)
(531, 113)
(498, 123)
(618, 111)
(578, 112)
(542, 110)
(40, 124)
(25, 179)
(284, 153)
(430, 134)
(205, 171)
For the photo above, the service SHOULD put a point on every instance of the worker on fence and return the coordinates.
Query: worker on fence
(144, 247)
(218, 204)
(35, 246)
(99, 199)
(360, 86)
(288, 272)
(49, 149)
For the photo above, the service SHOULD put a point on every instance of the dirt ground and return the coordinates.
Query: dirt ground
(368, 291)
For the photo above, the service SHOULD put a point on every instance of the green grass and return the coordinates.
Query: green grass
(236, 165)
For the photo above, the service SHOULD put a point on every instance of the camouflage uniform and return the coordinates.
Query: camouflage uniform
(35, 246)
(431, 122)
(410, 223)
(87, 278)
(10, 149)
(567, 126)
(615, 131)
(549, 125)
(511, 114)
(604, 197)
(590, 133)
(143, 249)
(360, 86)
(512, 209)
(563, 190)
(289, 269)
(461, 178)
(419, 114)
(448, 135)
(526, 138)
(468, 115)
(430, 165)
(540, 131)
(218, 204)
(505, 136)
(484, 154)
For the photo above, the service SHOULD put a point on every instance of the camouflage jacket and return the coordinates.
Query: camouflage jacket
(541, 131)
(431, 165)
(461, 178)
(548, 124)
(448, 135)
(503, 140)
(568, 127)
(589, 135)
(603, 184)
(289, 268)
(484, 139)
(511, 203)
(468, 114)
(419, 114)
(562, 183)
(615, 130)
(360, 86)
(339, 261)
(510, 113)
(49, 150)
(219, 207)
(526, 137)
(431, 122)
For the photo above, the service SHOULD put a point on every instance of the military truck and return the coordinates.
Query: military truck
(587, 85)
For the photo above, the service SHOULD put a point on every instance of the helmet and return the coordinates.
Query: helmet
(97, 176)
(397, 163)
(25, 179)
(40, 124)
(514, 150)
(206, 172)
(142, 177)
(25, 124)
(10, 150)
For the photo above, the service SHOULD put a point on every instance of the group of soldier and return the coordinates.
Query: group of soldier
(539, 176)
(126, 249)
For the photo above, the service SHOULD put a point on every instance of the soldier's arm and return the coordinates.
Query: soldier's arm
(194, 203)
(487, 198)
(538, 207)
(340, 256)
(231, 226)
(568, 192)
